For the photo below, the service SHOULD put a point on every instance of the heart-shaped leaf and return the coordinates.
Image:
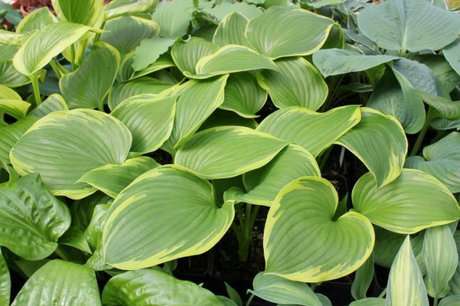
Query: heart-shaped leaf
(303, 243)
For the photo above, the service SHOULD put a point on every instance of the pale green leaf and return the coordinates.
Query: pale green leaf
(454, 283)
(61, 283)
(311, 130)
(130, 8)
(36, 20)
(452, 55)
(127, 72)
(7, 52)
(230, 31)
(369, 302)
(7, 93)
(225, 152)
(297, 83)
(15, 108)
(10, 77)
(303, 243)
(86, 12)
(306, 33)
(32, 219)
(441, 69)
(88, 86)
(226, 118)
(52, 104)
(93, 234)
(174, 17)
(220, 11)
(186, 54)
(450, 301)
(10, 134)
(13, 39)
(134, 235)
(155, 287)
(64, 145)
(380, 143)
(150, 50)
(363, 279)
(418, 75)
(411, 25)
(445, 107)
(405, 283)
(407, 205)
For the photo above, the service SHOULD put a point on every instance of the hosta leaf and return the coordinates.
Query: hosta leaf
(12, 38)
(380, 143)
(32, 219)
(133, 235)
(130, 8)
(75, 238)
(220, 11)
(405, 283)
(111, 179)
(227, 118)
(233, 294)
(265, 183)
(451, 53)
(7, 52)
(150, 121)
(10, 77)
(232, 58)
(405, 205)
(450, 301)
(306, 34)
(411, 25)
(88, 86)
(186, 54)
(446, 108)
(243, 95)
(66, 144)
(230, 30)
(127, 72)
(10, 134)
(275, 289)
(93, 234)
(441, 69)
(441, 160)
(7, 93)
(126, 32)
(5, 281)
(36, 20)
(418, 75)
(86, 12)
(313, 131)
(62, 283)
(369, 302)
(150, 50)
(441, 259)
(82, 210)
(338, 61)
(155, 287)
(15, 108)
(174, 17)
(363, 279)
(53, 103)
(329, 250)
(454, 283)
(144, 85)
(197, 101)
(398, 98)
(47, 43)
(225, 152)
(297, 83)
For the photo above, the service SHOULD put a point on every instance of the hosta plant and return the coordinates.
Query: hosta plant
(230, 153)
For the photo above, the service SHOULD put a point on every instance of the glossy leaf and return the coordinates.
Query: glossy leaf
(195, 223)
(330, 250)
(225, 152)
(64, 145)
(405, 205)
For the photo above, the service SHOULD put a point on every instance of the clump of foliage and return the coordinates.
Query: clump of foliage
(136, 134)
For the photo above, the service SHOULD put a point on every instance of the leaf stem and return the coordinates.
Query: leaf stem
(383, 293)
(72, 57)
(250, 300)
(36, 88)
(421, 135)
(435, 303)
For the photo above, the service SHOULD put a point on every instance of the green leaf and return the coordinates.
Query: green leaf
(411, 25)
(363, 279)
(451, 53)
(9, 136)
(10, 77)
(134, 235)
(411, 195)
(297, 83)
(12, 38)
(418, 75)
(441, 161)
(186, 54)
(64, 145)
(5, 281)
(450, 301)
(369, 302)
(112, 179)
(313, 131)
(142, 86)
(32, 219)
(197, 101)
(15, 108)
(275, 289)
(174, 17)
(454, 283)
(127, 72)
(446, 108)
(329, 250)
(243, 95)
(44, 45)
(52, 104)
(265, 183)
(230, 59)
(441, 259)
(226, 118)
(233, 294)
(7, 52)
(306, 33)
(86, 12)
(62, 283)
(7, 93)
(150, 121)
(93, 235)
(155, 287)
(225, 152)
(150, 50)
(405, 283)
(220, 11)
(441, 69)
(338, 61)
(126, 32)
(36, 20)
(230, 31)
(88, 86)
(130, 8)
(75, 238)
(380, 143)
